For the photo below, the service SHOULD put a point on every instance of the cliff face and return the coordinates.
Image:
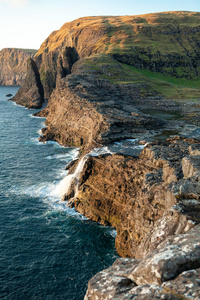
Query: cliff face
(145, 199)
(162, 42)
(153, 202)
(99, 73)
(31, 93)
(13, 66)
(87, 110)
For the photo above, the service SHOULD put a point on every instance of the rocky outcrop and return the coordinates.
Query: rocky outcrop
(145, 199)
(31, 93)
(13, 66)
(87, 110)
(170, 272)
(154, 203)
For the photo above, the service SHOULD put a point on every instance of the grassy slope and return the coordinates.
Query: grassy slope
(124, 32)
(118, 73)
(157, 34)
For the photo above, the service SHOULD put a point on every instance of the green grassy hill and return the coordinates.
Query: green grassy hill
(161, 48)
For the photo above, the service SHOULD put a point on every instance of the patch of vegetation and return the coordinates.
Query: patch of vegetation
(169, 86)
(151, 83)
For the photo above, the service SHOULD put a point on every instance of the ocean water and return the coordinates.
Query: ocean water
(47, 251)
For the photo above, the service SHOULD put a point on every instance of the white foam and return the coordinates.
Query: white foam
(99, 151)
(39, 132)
(45, 191)
(36, 117)
(37, 142)
(64, 185)
(113, 232)
(19, 105)
(60, 156)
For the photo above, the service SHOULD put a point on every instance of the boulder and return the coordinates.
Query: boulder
(175, 255)
(158, 276)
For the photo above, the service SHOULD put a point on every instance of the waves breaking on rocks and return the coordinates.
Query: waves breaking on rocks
(71, 181)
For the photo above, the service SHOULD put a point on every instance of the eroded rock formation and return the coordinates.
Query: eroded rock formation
(31, 93)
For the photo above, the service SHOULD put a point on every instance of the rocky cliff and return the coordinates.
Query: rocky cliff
(101, 75)
(31, 93)
(87, 110)
(154, 203)
(162, 42)
(13, 65)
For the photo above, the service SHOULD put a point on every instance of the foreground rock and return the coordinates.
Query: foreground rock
(154, 202)
(174, 259)
(31, 93)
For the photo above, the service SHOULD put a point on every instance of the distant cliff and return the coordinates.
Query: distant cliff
(13, 66)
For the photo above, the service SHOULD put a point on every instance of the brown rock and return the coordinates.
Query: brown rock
(31, 92)
(134, 196)
(191, 165)
(13, 66)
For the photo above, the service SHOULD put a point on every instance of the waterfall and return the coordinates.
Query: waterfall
(64, 185)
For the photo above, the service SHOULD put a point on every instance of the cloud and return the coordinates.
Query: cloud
(14, 2)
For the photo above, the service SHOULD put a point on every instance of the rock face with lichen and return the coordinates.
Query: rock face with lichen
(13, 66)
(172, 271)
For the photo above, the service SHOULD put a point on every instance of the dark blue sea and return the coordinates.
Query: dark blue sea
(47, 251)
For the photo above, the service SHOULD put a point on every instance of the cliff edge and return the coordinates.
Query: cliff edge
(102, 77)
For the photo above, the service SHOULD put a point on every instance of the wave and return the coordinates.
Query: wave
(46, 192)
(62, 156)
(99, 151)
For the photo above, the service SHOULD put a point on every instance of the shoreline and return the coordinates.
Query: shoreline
(155, 174)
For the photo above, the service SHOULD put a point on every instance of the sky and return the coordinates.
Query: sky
(27, 23)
